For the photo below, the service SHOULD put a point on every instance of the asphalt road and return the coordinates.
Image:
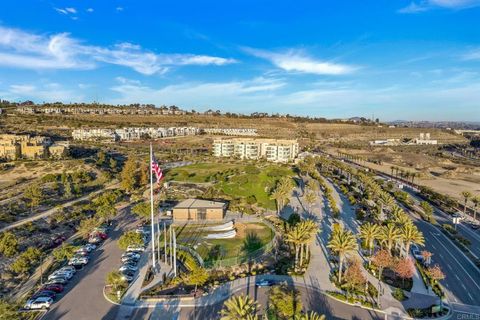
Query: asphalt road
(83, 298)
(311, 300)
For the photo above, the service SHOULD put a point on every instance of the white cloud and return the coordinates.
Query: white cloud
(48, 92)
(90, 10)
(71, 10)
(66, 11)
(472, 55)
(60, 51)
(424, 5)
(119, 9)
(297, 61)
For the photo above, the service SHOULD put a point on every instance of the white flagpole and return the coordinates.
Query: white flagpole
(158, 239)
(165, 240)
(174, 254)
(151, 208)
(171, 247)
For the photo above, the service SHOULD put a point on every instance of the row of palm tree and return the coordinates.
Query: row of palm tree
(467, 195)
(409, 176)
(342, 242)
(300, 236)
(245, 308)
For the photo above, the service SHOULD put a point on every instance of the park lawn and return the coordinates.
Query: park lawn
(258, 184)
(192, 236)
(199, 172)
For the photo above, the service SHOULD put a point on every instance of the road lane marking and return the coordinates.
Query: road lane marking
(464, 287)
(468, 274)
(449, 267)
(470, 296)
(432, 244)
(456, 276)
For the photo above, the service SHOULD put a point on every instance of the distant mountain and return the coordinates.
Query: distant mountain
(470, 125)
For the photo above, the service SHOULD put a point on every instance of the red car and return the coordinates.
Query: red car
(102, 235)
(53, 287)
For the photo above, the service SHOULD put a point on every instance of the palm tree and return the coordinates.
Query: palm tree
(312, 315)
(389, 235)
(296, 237)
(277, 196)
(115, 279)
(466, 196)
(410, 234)
(413, 175)
(309, 229)
(239, 308)
(396, 211)
(342, 243)
(386, 201)
(476, 202)
(310, 197)
(392, 168)
(369, 232)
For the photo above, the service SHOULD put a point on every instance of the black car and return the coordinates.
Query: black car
(44, 293)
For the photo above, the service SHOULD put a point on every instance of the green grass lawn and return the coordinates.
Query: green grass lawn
(250, 182)
(254, 237)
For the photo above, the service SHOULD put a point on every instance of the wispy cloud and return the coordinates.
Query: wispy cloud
(298, 61)
(119, 9)
(425, 5)
(90, 10)
(48, 92)
(66, 11)
(60, 51)
(472, 55)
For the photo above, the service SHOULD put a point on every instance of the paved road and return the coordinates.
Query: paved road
(49, 212)
(311, 300)
(83, 299)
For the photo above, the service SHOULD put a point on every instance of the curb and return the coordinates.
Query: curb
(108, 299)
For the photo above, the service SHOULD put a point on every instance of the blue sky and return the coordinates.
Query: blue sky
(417, 60)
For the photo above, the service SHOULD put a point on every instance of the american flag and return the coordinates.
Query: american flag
(156, 169)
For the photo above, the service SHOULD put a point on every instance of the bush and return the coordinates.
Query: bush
(398, 294)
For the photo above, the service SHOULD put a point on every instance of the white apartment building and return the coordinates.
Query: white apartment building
(132, 133)
(273, 150)
(231, 131)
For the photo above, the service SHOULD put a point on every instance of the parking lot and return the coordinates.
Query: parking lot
(83, 296)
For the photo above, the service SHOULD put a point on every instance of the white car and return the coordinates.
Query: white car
(90, 246)
(135, 248)
(129, 267)
(68, 269)
(63, 274)
(39, 303)
(78, 260)
(131, 254)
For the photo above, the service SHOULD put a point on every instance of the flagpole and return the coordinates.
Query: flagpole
(165, 241)
(151, 208)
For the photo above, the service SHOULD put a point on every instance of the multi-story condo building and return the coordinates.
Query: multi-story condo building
(14, 147)
(132, 133)
(231, 131)
(274, 150)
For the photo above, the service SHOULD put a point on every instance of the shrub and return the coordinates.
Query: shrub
(398, 294)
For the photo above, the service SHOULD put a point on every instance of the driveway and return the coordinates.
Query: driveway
(83, 298)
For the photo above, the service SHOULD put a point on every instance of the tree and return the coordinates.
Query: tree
(113, 164)
(405, 269)
(354, 278)
(64, 252)
(410, 234)
(426, 255)
(312, 315)
(130, 238)
(285, 302)
(8, 244)
(295, 236)
(476, 202)
(87, 226)
(34, 194)
(435, 273)
(310, 197)
(106, 212)
(142, 210)
(342, 243)
(144, 174)
(239, 308)
(8, 310)
(386, 201)
(427, 209)
(129, 179)
(197, 277)
(115, 279)
(382, 259)
(369, 232)
(389, 234)
(26, 260)
(466, 196)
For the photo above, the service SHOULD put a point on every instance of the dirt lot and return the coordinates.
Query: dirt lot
(442, 175)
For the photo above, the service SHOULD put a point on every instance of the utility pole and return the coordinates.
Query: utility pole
(151, 208)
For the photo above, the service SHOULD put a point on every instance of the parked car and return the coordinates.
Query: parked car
(44, 293)
(127, 275)
(39, 303)
(94, 239)
(53, 287)
(128, 267)
(58, 278)
(131, 254)
(68, 268)
(77, 261)
(135, 248)
(90, 246)
(264, 283)
(61, 281)
(415, 250)
(61, 274)
(125, 259)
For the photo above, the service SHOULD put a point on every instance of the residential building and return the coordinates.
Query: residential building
(13, 147)
(199, 210)
(274, 150)
(132, 133)
(231, 131)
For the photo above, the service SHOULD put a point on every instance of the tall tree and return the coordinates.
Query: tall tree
(410, 234)
(466, 196)
(34, 194)
(129, 178)
(405, 269)
(285, 302)
(342, 243)
(354, 278)
(476, 202)
(8, 244)
(115, 279)
(310, 198)
(369, 232)
(389, 235)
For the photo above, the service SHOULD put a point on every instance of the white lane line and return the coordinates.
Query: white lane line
(441, 255)
(464, 287)
(456, 276)
(468, 274)
(433, 245)
(470, 296)
(449, 267)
